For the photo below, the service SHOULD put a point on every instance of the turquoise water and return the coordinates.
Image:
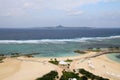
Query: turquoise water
(58, 47)
(113, 57)
(45, 50)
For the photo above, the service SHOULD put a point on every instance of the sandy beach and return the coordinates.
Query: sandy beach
(101, 66)
(23, 68)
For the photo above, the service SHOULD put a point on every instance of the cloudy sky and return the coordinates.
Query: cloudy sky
(41, 13)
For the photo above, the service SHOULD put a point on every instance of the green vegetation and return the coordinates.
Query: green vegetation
(53, 75)
(68, 60)
(117, 48)
(28, 55)
(84, 78)
(15, 54)
(1, 60)
(54, 61)
(50, 76)
(114, 48)
(94, 49)
(90, 75)
(90, 49)
(68, 75)
(2, 56)
(79, 51)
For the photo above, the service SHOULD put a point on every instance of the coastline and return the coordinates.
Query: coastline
(24, 68)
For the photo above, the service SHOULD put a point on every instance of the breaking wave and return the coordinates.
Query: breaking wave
(57, 41)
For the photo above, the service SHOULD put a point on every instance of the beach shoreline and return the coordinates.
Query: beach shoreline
(24, 68)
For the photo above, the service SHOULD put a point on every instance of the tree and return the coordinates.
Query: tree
(84, 78)
(90, 48)
(74, 70)
(68, 75)
(51, 59)
(55, 59)
(98, 49)
(117, 48)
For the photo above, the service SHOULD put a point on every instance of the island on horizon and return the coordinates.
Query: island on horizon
(62, 27)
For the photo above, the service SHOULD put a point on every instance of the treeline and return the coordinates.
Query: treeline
(68, 75)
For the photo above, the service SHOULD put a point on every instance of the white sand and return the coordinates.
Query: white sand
(101, 66)
(23, 68)
(13, 69)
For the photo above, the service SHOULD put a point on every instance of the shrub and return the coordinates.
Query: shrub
(68, 75)
(84, 78)
(50, 76)
(54, 62)
(90, 75)
(68, 60)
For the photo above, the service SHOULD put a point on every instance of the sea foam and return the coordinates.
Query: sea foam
(57, 41)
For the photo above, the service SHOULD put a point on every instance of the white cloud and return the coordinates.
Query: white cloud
(63, 5)
(27, 5)
(110, 0)
(14, 12)
(74, 12)
(19, 6)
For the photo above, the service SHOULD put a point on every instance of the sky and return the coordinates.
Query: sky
(72, 13)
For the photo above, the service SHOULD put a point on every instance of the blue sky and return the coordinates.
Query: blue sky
(73, 13)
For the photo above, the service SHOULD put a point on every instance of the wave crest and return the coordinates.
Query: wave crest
(56, 41)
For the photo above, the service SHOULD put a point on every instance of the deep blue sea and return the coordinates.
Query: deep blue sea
(56, 42)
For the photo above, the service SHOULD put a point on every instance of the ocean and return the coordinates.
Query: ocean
(57, 42)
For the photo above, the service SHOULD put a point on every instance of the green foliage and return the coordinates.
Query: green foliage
(113, 48)
(50, 76)
(68, 75)
(15, 54)
(117, 48)
(54, 62)
(74, 70)
(84, 78)
(79, 51)
(1, 55)
(55, 59)
(90, 48)
(90, 75)
(68, 60)
(94, 49)
(1, 59)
